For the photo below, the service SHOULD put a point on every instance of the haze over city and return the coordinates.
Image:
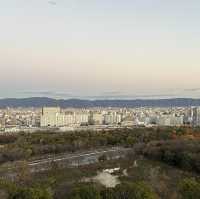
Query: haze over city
(100, 49)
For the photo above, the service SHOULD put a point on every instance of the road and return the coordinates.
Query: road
(64, 157)
(69, 160)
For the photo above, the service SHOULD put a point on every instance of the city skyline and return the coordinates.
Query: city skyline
(100, 49)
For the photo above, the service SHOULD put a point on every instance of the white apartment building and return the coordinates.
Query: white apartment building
(177, 120)
(81, 118)
(112, 118)
(97, 118)
(51, 117)
(196, 116)
(170, 120)
(163, 121)
(69, 119)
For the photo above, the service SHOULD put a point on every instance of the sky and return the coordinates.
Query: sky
(100, 48)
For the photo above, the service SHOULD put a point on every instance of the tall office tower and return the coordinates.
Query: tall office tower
(196, 116)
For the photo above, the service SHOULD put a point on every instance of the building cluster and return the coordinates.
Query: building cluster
(55, 117)
(31, 119)
(12, 119)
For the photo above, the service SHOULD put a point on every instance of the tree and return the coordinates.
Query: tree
(130, 141)
(107, 193)
(31, 193)
(137, 190)
(189, 189)
(187, 160)
(85, 192)
(142, 191)
(23, 172)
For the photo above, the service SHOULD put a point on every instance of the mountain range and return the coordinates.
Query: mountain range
(79, 103)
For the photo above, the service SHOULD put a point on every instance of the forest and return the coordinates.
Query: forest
(175, 151)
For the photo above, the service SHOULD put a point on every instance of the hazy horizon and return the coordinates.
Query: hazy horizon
(101, 96)
(103, 49)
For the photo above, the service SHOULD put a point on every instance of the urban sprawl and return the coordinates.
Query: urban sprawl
(13, 120)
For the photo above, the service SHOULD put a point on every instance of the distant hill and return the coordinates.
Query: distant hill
(78, 103)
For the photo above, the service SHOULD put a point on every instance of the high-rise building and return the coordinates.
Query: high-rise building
(51, 117)
(97, 118)
(196, 116)
(81, 118)
(112, 118)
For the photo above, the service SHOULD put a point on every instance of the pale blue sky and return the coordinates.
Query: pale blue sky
(80, 48)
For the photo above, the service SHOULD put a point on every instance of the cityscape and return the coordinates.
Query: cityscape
(13, 120)
(100, 99)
